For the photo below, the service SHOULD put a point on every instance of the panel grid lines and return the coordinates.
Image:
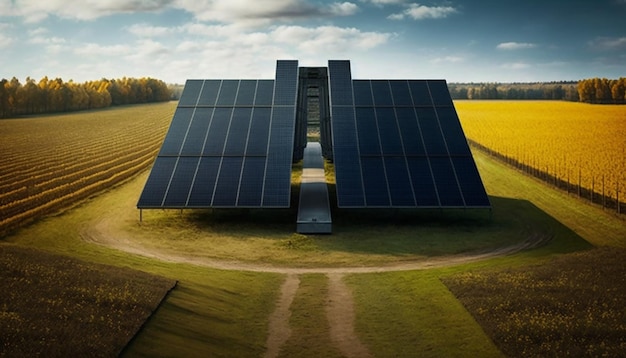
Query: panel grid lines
(221, 155)
(408, 136)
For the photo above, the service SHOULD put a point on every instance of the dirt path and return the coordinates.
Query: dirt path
(340, 312)
(279, 330)
(341, 316)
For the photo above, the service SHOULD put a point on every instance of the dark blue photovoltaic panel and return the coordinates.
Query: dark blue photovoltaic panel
(390, 140)
(158, 182)
(197, 131)
(247, 90)
(362, 93)
(374, 181)
(286, 85)
(382, 93)
(433, 139)
(420, 94)
(190, 94)
(259, 132)
(177, 131)
(204, 184)
(439, 93)
(423, 183)
(230, 144)
(227, 187)
(471, 185)
(251, 186)
(228, 92)
(346, 158)
(238, 132)
(369, 144)
(408, 137)
(400, 188)
(410, 132)
(445, 180)
(210, 89)
(217, 131)
(395, 143)
(282, 131)
(264, 93)
(401, 93)
(340, 83)
(452, 131)
(181, 182)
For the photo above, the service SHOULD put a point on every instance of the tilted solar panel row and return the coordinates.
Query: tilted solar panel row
(229, 145)
(399, 143)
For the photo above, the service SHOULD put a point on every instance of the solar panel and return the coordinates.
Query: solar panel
(229, 144)
(399, 143)
(394, 143)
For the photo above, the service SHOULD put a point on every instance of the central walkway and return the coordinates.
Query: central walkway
(314, 208)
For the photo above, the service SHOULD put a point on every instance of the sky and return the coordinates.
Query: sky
(174, 40)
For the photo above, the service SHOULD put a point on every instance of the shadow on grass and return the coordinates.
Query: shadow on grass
(400, 233)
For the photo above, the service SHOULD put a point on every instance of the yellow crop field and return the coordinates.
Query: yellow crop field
(580, 145)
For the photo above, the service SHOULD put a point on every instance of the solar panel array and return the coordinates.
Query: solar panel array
(399, 143)
(230, 144)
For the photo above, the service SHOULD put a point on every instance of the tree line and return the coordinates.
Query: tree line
(593, 90)
(602, 90)
(49, 96)
(567, 91)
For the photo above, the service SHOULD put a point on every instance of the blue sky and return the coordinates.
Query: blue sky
(173, 40)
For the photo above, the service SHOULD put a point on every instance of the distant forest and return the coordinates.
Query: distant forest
(593, 90)
(50, 96)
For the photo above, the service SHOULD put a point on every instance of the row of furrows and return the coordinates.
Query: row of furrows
(20, 166)
(41, 173)
(44, 177)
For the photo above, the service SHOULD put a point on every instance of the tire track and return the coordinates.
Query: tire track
(279, 329)
(341, 317)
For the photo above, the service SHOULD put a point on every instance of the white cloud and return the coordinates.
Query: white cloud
(36, 10)
(515, 66)
(249, 12)
(422, 12)
(609, 43)
(97, 50)
(343, 9)
(448, 59)
(5, 41)
(385, 2)
(328, 38)
(515, 46)
(40, 40)
(144, 30)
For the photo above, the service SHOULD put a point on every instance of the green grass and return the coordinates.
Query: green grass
(224, 313)
(215, 313)
(310, 333)
(412, 314)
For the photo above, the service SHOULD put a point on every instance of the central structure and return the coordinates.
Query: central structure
(394, 144)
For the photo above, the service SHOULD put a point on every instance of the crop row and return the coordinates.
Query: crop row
(578, 147)
(51, 162)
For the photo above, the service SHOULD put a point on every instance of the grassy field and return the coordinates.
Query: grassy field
(401, 314)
